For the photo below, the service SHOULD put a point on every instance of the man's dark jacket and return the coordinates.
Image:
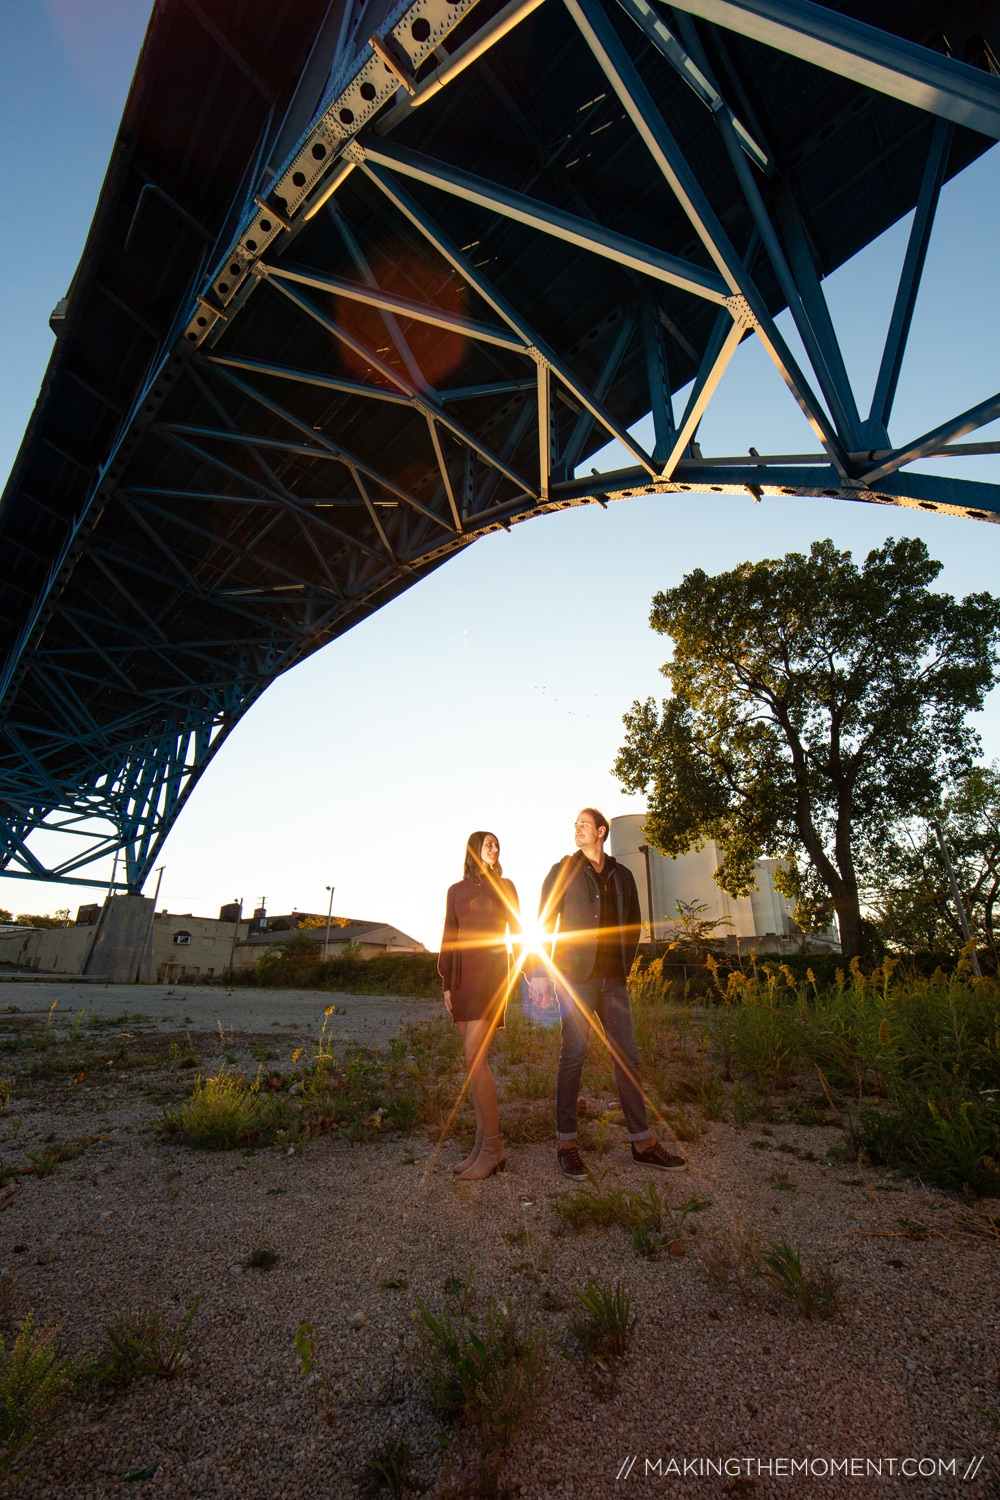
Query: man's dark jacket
(571, 892)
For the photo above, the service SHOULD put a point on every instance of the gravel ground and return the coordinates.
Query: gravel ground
(899, 1375)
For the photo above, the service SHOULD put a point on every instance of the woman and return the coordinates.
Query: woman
(474, 971)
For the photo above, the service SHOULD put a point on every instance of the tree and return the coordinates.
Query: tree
(914, 904)
(694, 934)
(25, 919)
(815, 705)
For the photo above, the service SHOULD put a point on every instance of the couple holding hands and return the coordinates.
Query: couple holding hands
(589, 911)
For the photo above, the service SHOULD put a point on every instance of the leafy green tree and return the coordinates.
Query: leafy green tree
(25, 919)
(293, 963)
(913, 903)
(815, 705)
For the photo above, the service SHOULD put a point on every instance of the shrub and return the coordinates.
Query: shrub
(951, 1142)
(413, 974)
(224, 1112)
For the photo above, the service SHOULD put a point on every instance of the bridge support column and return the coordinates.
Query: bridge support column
(122, 950)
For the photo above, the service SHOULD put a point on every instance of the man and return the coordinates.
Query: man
(590, 907)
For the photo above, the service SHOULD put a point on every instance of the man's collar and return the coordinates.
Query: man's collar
(609, 861)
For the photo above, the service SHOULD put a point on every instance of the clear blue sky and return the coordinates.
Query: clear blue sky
(490, 695)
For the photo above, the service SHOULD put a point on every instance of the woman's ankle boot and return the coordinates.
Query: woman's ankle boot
(469, 1161)
(492, 1158)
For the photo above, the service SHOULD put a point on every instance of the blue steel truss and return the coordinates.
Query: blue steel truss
(501, 236)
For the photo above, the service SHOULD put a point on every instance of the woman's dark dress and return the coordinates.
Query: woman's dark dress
(473, 962)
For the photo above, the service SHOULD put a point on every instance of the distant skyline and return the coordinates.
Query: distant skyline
(490, 695)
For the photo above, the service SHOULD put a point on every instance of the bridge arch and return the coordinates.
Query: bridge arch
(441, 254)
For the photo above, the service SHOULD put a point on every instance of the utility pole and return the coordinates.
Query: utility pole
(957, 898)
(156, 893)
(236, 933)
(329, 916)
(644, 851)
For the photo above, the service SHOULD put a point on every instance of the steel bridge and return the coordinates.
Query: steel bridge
(366, 282)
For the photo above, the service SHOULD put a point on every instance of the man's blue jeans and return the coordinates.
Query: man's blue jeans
(578, 1004)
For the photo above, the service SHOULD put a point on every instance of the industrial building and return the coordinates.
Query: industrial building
(187, 949)
(761, 921)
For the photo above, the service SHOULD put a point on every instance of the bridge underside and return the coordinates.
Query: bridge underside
(364, 285)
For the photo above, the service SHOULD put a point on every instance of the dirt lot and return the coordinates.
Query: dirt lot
(725, 1385)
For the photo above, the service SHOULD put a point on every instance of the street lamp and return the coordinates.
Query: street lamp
(644, 851)
(329, 915)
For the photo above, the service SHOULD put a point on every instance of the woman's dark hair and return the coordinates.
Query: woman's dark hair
(474, 867)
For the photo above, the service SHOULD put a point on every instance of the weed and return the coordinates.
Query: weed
(36, 1380)
(403, 1111)
(486, 1375)
(814, 1294)
(594, 1206)
(184, 1056)
(262, 1052)
(808, 1111)
(44, 1162)
(747, 1105)
(223, 1112)
(304, 1347)
(602, 1327)
(685, 1127)
(140, 1343)
(709, 1095)
(532, 1082)
(602, 1130)
(646, 1242)
(6, 1094)
(393, 1283)
(389, 1471)
(263, 1258)
(782, 1182)
(529, 1124)
(462, 1291)
(733, 1258)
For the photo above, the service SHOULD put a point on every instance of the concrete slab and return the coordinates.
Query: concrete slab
(363, 1019)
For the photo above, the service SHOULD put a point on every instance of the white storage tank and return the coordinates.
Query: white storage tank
(690, 878)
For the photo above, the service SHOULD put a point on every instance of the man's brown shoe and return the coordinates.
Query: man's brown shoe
(657, 1157)
(571, 1163)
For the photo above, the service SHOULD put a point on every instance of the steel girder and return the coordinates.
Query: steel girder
(374, 374)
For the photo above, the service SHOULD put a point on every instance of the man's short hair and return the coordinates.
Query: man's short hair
(600, 821)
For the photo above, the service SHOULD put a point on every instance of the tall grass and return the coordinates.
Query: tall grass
(920, 1055)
